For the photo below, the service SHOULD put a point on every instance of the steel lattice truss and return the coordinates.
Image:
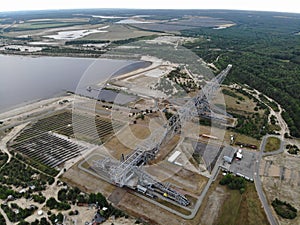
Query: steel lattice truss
(121, 172)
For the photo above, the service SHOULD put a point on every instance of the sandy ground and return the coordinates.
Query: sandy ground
(213, 206)
(8, 137)
(147, 211)
(36, 108)
(280, 176)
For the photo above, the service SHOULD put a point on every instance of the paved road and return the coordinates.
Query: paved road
(7, 138)
(258, 184)
(263, 145)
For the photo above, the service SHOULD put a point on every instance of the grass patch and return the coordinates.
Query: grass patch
(274, 127)
(242, 209)
(232, 94)
(229, 211)
(250, 210)
(272, 144)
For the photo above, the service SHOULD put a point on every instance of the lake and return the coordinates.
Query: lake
(27, 79)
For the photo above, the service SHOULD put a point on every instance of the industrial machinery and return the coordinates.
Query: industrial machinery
(128, 171)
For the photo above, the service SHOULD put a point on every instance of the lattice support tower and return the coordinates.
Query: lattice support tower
(121, 172)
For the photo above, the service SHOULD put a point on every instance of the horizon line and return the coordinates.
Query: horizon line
(171, 9)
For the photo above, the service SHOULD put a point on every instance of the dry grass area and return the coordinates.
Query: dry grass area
(194, 131)
(237, 105)
(241, 209)
(140, 131)
(117, 147)
(211, 204)
(272, 144)
(119, 221)
(125, 141)
(224, 206)
(86, 182)
(147, 211)
(241, 138)
(144, 104)
(191, 183)
(280, 176)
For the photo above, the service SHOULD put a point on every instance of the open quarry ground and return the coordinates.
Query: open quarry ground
(114, 131)
(280, 175)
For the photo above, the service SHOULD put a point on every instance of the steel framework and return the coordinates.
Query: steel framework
(121, 172)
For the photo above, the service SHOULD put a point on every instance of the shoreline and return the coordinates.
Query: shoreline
(25, 109)
(10, 106)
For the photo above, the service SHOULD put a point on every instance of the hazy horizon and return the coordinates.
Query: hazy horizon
(288, 6)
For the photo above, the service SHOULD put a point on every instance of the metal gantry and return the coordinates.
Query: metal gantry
(121, 172)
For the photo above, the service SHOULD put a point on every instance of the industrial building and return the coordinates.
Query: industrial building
(229, 154)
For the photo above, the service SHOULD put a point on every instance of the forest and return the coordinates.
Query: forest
(264, 49)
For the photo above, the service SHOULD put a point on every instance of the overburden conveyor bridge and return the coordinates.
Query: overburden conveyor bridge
(128, 171)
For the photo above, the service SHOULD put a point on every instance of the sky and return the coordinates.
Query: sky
(258, 5)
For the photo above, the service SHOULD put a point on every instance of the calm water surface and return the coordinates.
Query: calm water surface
(27, 79)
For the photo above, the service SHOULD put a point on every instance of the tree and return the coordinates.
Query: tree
(44, 221)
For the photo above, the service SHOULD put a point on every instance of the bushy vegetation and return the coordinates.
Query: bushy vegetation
(182, 79)
(131, 40)
(3, 158)
(253, 125)
(272, 104)
(69, 194)
(248, 123)
(81, 42)
(42, 167)
(234, 183)
(56, 219)
(43, 221)
(293, 149)
(65, 50)
(39, 198)
(6, 191)
(19, 174)
(51, 203)
(232, 94)
(168, 114)
(15, 217)
(284, 209)
(264, 52)
(2, 219)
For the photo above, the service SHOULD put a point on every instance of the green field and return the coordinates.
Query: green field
(272, 144)
(242, 209)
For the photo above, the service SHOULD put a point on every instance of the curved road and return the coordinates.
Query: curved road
(257, 181)
(7, 138)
